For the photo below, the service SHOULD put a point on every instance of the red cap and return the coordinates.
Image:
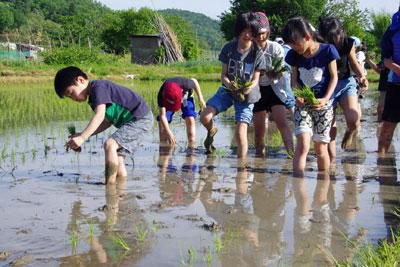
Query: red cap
(172, 96)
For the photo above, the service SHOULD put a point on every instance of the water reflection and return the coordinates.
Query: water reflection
(122, 220)
(388, 193)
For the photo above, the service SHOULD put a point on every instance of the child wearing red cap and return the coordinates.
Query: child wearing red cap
(177, 93)
(241, 60)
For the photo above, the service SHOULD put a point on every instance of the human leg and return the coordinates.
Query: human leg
(332, 143)
(300, 154)
(241, 138)
(352, 115)
(111, 160)
(260, 127)
(323, 160)
(385, 137)
(279, 113)
(303, 131)
(190, 132)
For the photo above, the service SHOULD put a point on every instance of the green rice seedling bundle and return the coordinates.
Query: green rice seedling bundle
(307, 94)
(238, 87)
(72, 131)
(278, 66)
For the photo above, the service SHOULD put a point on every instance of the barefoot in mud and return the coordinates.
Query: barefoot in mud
(347, 140)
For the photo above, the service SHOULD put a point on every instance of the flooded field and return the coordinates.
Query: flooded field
(180, 209)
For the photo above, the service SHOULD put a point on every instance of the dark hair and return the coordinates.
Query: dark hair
(332, 31)
(297, 28)
(67, 77)
(243, 21)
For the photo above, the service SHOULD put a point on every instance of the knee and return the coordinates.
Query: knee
(205, 118)
(110, 144)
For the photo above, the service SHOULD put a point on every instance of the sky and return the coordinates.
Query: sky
(213, 8)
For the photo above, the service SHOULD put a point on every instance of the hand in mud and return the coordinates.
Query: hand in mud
(171, 139)
(75, 143)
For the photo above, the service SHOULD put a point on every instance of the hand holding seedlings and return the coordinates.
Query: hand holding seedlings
(278, 67)
(74, 143)
(305, 97)
(238, 88)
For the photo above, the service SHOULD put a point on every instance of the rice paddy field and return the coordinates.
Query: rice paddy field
(178, 208)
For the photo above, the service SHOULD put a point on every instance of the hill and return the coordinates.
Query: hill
(207, 29)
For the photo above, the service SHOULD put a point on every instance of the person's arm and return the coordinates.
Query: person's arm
(103, 126)
(355, 66)
(294, 85)
(331, 85)
(224, 77)
(99, 115)
(390, 64)
(372, 65)
(164, 126)
(198, 92)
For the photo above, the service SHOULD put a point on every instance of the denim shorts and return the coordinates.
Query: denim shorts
(222, 100)
(316, 122)
(344, 88)
(187, 111)
(130, 135)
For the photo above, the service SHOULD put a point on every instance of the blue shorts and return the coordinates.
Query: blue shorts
(344, 88)
(222, 100)
(187, 111)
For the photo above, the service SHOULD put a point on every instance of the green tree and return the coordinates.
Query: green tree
(278, 12)
(380, 22)
(355, 20)
(6, 17)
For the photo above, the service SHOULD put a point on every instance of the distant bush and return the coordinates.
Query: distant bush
(77, 55)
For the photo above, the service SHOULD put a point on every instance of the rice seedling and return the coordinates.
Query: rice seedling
(307, 94)
(209, 258)
(119, 241)
(74, 239)
(141, 233)
(71, 129)
(218, 245)
(396, 212)
(90, 229)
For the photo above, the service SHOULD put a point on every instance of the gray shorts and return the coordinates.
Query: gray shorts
(131, 134)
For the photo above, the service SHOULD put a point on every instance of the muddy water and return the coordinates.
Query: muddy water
(189, 209)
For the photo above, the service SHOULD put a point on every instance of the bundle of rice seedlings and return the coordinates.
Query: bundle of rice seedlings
(238, 87)
(307, 94)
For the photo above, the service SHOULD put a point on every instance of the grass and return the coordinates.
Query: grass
(218, 245)
(384, 254)
(120, 242)
(141, 233)
(74, 239)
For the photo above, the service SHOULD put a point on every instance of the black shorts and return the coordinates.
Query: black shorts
(391, 111)
(267, 101)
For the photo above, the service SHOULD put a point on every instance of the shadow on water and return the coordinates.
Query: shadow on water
(181, 207)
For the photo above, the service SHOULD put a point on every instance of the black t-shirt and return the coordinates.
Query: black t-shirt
(187, 86)
(383, 77)
(343, 66)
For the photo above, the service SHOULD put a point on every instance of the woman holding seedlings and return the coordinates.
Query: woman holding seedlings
(313, 67)
(345, 92)
(274, 98)
(241, 66)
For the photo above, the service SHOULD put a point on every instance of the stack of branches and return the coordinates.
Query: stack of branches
(169, 40)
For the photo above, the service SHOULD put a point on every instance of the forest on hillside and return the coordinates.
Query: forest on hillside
(88, 23)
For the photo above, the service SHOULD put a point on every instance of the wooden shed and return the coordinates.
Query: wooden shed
(145, 48)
